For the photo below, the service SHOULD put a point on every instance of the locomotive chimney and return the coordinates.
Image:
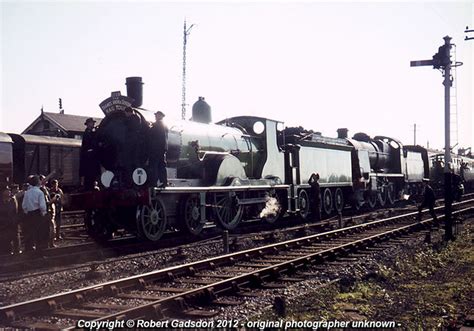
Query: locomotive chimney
(135, 90)
(201, 111)
(342, 133)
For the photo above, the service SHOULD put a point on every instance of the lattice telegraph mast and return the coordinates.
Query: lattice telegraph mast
(186, 33)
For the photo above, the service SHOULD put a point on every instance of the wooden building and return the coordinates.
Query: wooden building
(59, 125)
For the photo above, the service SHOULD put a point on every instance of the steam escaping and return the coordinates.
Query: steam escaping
(271, 209)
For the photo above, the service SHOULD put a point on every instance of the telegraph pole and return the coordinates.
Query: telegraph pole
(186, 33)
(442, 60)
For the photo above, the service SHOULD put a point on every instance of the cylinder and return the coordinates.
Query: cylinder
(135, 90)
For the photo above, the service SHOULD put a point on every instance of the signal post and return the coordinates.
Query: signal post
(442, 60)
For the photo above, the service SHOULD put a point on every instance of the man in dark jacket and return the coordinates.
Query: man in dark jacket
(429, 199)
(8, 222)
(315, 196)
(89, 168)
(158, 147)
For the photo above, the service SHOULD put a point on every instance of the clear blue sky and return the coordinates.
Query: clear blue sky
(316, 64)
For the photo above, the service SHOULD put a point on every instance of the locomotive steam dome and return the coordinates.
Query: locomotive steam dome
(201, 111)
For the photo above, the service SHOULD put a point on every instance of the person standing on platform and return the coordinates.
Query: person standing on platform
(158, 147)
(58, 195)
(316, 196)
(89, 167)
(34, 207)
(429, 199)
(8, 222)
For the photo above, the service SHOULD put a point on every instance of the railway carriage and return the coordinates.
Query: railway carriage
(22, 155)
(46, 155)
(6, 159)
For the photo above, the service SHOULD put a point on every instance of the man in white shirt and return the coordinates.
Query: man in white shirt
(34, 206)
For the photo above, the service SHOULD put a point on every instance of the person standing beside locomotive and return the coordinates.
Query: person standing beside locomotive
(429, 199)
(34, 207)
(17, 194)
(158, 147)
(49, 220)
(8, 222)
(58, 194)
(316, 196)
(89, 168)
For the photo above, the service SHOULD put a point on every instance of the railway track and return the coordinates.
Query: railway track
(195, 290)
(60, 258)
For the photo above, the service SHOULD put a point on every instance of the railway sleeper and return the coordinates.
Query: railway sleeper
(103, 306)
(253, 265)
(35, 326)
(78, 313)
(199, 313)
(191, 312)
(222, 276)
(375, 249)
(197, 281)
(226, 302)
(140, 296)
(291, 279)
(347, 259)
(271, 285)
(247, 292)
(166, 289)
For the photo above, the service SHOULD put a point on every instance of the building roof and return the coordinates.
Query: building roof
(70, 122)
(67, 122)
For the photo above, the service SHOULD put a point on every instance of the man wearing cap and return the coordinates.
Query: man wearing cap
(158, 147)
(89, 168)
(429, 199)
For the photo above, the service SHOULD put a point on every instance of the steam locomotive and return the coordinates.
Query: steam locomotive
(239, 168)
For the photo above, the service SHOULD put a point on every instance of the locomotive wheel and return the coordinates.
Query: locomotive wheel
(372, 200)
(274, 206)
(339, 200)
(227, 211)
(152, 221)
(94, 222)
(190, 215)
(327, 201)
(304, 204)
(390, 194)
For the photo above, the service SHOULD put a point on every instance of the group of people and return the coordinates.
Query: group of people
(156, 141)
(34, 211)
